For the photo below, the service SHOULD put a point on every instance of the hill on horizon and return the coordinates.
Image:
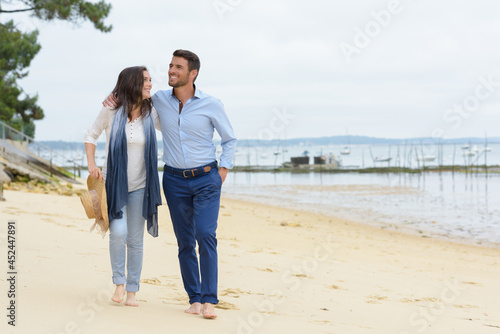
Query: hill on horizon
(332, 140)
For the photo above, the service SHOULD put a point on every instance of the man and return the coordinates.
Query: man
(191, 182)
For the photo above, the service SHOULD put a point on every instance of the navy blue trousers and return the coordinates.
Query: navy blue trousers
(194, 209)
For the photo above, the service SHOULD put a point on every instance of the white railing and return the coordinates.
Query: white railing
(10, 133)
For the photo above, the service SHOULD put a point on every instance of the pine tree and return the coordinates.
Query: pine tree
(17, 50)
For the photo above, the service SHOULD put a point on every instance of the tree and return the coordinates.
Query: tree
(17, 50)
(27, 128)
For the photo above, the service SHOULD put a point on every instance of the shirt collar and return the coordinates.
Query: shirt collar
(197, 92)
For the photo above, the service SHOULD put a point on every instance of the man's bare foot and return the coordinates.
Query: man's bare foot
(131, 299)
(209, 311)
(119, 293)
(195, 308)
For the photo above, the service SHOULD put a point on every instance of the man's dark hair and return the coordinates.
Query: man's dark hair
(191, 57)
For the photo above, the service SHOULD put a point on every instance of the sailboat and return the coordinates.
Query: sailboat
(347, 149)
(382, 159)
(471, 151)
(426, 158)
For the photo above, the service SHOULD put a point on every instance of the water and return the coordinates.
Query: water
(454, 206)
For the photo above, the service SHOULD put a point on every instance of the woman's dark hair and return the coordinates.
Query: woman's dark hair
(128, 90)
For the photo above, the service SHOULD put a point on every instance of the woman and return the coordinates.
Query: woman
(130, 173)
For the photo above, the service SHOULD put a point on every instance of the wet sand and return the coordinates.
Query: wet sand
(280, 271)
(453, 207)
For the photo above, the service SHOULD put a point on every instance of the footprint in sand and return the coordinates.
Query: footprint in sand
(472, 283)
(13, 212)
(493, 326)
(290, 224)
(419, 300)
(152, 281)
(466, 306)
(223, 305)
(432, 300)
(266, 270)
(336, 287)
(235, 293)
(175, 299)
(181, 298)
(375, 299)
(300, 275)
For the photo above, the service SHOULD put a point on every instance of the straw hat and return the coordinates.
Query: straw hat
(95, 205)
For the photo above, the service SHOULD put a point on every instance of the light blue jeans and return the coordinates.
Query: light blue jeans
(126, 239)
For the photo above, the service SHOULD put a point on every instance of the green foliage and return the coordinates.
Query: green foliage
(27, 128)
(68, 10)
(17, 50)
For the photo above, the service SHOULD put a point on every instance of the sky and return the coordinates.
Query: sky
(287, 69)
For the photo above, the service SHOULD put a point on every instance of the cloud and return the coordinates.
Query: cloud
(263, 55)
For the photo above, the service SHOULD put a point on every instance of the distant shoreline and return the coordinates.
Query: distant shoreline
(333, 140)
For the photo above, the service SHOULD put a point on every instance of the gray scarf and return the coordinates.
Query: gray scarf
(117, 180)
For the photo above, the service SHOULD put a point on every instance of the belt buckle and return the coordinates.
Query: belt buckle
(188, 170)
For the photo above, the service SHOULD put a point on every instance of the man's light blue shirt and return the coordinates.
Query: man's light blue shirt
(187, 136)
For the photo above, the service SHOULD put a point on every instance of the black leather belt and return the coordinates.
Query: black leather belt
(192, 172)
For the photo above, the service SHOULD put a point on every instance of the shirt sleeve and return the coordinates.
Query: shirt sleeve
(228, 139)
(156, 119)
(100, 124)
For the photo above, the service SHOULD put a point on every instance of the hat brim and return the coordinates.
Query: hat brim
(104, 209)
(100, 188)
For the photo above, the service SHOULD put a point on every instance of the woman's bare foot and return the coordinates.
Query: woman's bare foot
(209, 311)
(131, 299)
(119, 293)
(195, 308)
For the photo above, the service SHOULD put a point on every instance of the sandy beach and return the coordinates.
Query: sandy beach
(280, 271)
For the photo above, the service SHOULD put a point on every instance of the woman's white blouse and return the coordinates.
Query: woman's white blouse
(136, 143)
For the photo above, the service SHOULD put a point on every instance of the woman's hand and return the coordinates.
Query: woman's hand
(96, 172)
